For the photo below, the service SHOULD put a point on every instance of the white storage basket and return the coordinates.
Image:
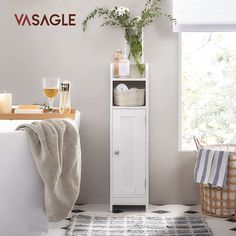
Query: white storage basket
(131, 97)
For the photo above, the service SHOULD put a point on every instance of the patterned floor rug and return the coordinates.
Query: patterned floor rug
(92, 225)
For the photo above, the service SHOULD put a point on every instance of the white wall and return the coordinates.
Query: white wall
(27, 54)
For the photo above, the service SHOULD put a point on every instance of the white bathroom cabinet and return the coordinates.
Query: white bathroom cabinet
(129, 146)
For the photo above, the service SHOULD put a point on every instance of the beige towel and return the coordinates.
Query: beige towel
(55, 146)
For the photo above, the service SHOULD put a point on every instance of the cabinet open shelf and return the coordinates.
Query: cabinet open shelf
(130, 84)
(134, 73)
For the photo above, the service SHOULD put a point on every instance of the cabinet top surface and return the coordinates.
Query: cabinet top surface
(129, 79)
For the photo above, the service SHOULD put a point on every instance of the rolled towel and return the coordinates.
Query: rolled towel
(121, 87)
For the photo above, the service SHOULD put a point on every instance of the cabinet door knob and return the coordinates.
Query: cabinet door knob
(117, 152)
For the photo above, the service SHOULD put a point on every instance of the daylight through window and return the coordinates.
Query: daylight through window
(208, 96)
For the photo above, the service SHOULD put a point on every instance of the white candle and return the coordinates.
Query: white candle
(5, 103)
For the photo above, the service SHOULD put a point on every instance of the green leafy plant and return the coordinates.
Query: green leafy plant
(132, 26)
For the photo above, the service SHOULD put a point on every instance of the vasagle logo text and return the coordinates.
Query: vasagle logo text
(46, 20)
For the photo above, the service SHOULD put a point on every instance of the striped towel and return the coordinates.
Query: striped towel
(203, 166)
(219, 169)
(211, 167)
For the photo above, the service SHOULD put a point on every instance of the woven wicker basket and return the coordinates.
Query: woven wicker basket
(131, 97)
(216, 201)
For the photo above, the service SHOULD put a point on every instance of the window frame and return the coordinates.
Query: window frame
(179, 75)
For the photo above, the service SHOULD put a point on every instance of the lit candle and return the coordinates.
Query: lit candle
(5, 103)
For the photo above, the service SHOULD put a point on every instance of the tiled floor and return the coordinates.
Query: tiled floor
(219, 226)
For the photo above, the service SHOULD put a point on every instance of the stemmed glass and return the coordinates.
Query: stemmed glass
(51, 89)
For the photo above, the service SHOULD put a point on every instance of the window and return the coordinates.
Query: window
(208, 88)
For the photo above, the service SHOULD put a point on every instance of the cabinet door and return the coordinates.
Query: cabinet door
(128, 152)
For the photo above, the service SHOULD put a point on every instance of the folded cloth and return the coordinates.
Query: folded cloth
(55, 147)
(211, 167)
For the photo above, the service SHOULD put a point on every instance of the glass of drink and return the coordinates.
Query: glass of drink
(50, 89)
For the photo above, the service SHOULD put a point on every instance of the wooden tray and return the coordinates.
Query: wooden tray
(46, 115)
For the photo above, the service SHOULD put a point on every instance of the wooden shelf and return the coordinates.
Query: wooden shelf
(46, 115)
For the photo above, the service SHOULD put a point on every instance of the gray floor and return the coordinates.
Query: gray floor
(219, 226)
